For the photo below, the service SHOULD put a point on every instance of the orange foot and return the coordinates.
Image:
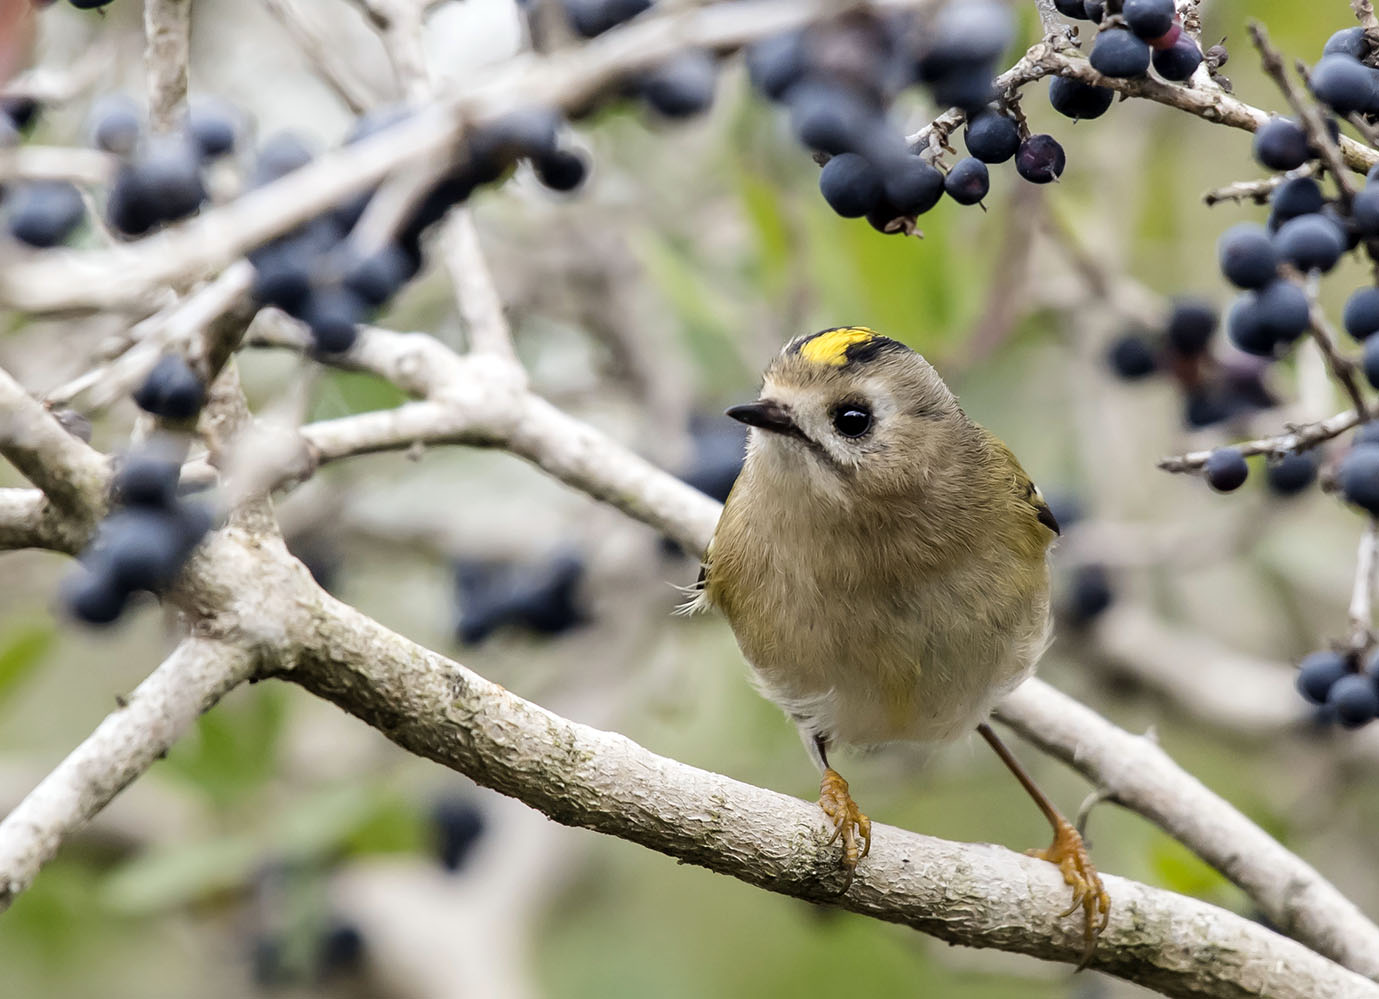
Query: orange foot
(1070, 854)
(849, 823)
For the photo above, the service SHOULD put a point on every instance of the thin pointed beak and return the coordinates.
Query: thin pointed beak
(765, 414)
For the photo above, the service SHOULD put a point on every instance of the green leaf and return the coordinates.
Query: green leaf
(317, 827)
(343, 393)
(22, 649)
(234, 749)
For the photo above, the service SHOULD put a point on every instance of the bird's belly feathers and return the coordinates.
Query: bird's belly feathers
(862, 665)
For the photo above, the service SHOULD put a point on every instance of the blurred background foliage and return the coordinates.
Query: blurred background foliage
(284, 849)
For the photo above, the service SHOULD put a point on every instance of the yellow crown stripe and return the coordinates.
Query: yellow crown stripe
(831, 346)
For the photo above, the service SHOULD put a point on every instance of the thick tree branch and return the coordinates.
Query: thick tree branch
(972, 894)
(121, 748)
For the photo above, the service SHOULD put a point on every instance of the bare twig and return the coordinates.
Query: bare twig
(1362, 594)
(1298, 438)
(323, 57)
(81, 166)
(1257, 191)
(480, 306)
(167, 44)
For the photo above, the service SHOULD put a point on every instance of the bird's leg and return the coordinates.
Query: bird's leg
(849, 824)
(1067, 851)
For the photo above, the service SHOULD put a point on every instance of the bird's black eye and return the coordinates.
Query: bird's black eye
(852, 420)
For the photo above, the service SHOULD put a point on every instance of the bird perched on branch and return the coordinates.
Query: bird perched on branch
(882, 562)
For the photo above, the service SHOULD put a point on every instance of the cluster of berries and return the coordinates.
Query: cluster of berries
(1346, 688)
(1215, 388)
(142, 545)
(1305, 236)
(541, 598)
(1144, 33)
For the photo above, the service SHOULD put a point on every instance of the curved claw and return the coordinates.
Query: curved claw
(849, 824)
(1070, 854)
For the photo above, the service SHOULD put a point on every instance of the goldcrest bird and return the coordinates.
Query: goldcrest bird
(883, 563)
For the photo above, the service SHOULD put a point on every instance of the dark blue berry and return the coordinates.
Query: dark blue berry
(1118, 53)
(1132, 357)
(1369, 361)
(1205, 408)
(964, 37)
(1291, 474)
(912, 187)
(591, 18)
(1345, 84)
(281, 153)
(1358, 477)
(776, 64)
(1148, 18)
(459, 826)
(851, 185)
(968, 182)
(1361, 313)
(1247, 256)
(116, 125)
(829, 119)
(683, 86)
(1040, 159)
(1281, 144)
(1190, 326)
(141, 548)
(44, 213)
(1178, 61)
(333, 314)
(1076, 99)
(1354, 700)
(1318, 674)
(1245, 327)
(172, 390)
(1310, 243)
(1283, 310)
(93, 596)
(1347, 41)
(1364, 209)
(992, 137)
(1226, 469)
(131, 208)
(1075, 9)
(212, 124)
(1089, 594)
(377, 277)
(169, 173)
(1296, 196)
(148, 480)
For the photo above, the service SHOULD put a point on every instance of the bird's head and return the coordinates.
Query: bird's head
(853, 413)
